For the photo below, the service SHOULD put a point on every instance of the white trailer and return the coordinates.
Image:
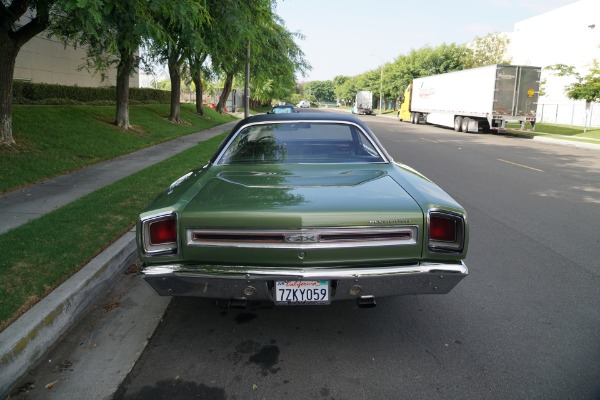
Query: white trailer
(363, 103)
(479, 98)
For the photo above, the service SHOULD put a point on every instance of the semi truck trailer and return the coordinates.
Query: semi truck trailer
(471, 100)
(363, 104)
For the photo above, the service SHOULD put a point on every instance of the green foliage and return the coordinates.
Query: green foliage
(275, 60)
(53, 140)
(45, 93)
(345, 89)
(488, 50)
(27, 273)
(425, 61)
(585, 87)
(319, 91)
(274, 55)
(397, 75)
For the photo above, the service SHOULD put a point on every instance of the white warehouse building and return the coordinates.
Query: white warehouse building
(568, 35)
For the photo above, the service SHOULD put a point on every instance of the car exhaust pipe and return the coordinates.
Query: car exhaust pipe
(238, 302)
(366, 302)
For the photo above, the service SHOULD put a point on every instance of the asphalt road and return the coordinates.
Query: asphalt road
(525, 324)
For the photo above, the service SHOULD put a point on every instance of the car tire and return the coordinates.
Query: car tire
(458, 123)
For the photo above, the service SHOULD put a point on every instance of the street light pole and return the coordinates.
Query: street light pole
(380, 85)
(381, 91)
(247, 84)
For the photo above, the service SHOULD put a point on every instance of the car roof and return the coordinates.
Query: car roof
(303, 117)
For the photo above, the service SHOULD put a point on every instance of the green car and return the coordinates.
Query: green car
(302, 209)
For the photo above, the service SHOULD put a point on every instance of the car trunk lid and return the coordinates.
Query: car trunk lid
(304, 216)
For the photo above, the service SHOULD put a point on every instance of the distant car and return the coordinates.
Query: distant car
(302, 208)
(303, 104)
(286, 109)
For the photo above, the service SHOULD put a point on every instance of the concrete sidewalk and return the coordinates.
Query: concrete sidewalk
(25, 342)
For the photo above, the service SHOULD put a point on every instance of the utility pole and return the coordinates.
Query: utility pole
(247, 85)
(381, 91)
(380, 84)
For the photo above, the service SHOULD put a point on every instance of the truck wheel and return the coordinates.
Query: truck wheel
(414, 118)
(465, 124)
(458, 123)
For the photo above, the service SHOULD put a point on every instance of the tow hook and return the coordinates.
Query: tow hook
(366, 302)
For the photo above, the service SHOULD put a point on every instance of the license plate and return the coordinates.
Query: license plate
(302, 292)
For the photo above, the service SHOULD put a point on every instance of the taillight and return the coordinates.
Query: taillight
(446, 231)
(442, 229)
(160, 235)
(164, 231)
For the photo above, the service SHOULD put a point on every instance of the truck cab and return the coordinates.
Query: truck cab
(404, 110)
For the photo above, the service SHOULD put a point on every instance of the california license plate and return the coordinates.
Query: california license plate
(302, 292)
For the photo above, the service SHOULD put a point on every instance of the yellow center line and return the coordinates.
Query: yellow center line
(521, 165)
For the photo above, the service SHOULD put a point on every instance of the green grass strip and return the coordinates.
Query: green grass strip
(53, 140)
(40, 255)
(562, 131)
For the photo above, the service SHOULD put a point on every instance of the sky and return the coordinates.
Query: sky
(350, 37)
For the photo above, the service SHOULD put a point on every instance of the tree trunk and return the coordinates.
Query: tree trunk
(175, 75)
(199, 93)
(124, 70)
(225, 94)
(9, 52)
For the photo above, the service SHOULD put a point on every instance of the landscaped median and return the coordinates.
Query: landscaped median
(40, 255)
(562, 132)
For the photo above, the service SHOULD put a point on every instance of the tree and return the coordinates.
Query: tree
(20, 21)
(320, 91)
(231, 30)
(198, 71)
(345, 89)
(425, 61)
(273, 56)
(114, 30)
(182, 41)
(585, 87)
(488, 50)
(275, 60)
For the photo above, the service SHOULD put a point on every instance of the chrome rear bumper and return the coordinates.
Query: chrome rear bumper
(255, 283)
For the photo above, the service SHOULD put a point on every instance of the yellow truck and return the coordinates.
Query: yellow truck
(471, 100)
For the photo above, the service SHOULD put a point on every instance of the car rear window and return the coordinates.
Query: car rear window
(300, 142)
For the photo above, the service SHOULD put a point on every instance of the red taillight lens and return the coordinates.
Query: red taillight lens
(442, 229)
(164, 231)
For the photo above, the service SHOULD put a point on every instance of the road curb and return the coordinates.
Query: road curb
(572, 143)
(31, 336)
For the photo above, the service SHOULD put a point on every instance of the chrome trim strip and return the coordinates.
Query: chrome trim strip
(439, 246)
(247, 272)
(152, 250)
(304, 238)
(227, 282)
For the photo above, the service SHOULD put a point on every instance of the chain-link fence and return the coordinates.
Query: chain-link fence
(572, 113)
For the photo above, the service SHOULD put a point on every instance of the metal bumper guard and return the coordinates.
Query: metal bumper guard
(255, 283)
